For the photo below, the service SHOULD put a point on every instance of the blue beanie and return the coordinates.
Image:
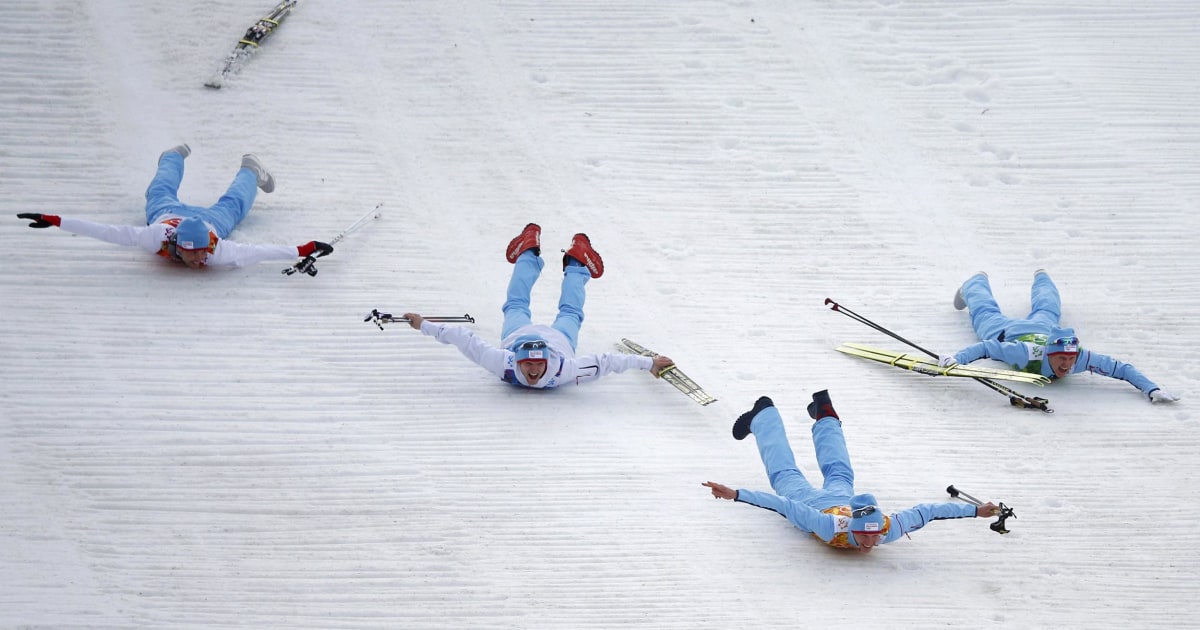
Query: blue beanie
(530, 348)
(1062, 341)
(192, 233)
(865, 515)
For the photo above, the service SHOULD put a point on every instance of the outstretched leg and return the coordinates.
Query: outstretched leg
(162, 196)
(570, 302)
(516, 307)
(832, 456)
(986, 318)
(234, 205)
(1044, 300)
(786, 479)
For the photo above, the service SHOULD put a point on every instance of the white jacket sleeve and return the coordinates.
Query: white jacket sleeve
(477, 350)
(242, 254)
(151, 238)
(592, 366)
(147, 237)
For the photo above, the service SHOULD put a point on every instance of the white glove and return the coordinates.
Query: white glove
(1159, 396)
(947, 360)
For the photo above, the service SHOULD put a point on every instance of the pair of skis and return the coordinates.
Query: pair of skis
(984, 376)
(671, 374)
(922, 365)
(250, 42)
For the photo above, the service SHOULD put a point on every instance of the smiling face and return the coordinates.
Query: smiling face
(194, 258)
(533, 370)
(867, 542)
(1062, 362)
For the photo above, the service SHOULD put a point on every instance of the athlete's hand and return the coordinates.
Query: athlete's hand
(721, 491)
(1160, 396)
(40, 220)
(414, 320)
(315, 249)
(987, 509)
(660, 363)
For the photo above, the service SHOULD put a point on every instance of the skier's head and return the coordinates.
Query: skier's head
(532, 357)
(866, 521)
(1062, 350)
(193, 241)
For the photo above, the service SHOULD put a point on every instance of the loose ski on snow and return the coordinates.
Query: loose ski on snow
(251, 41)
(670, 374)
(924, 366)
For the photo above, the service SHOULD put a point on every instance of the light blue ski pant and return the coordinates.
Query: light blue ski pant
(570, 303)
(786, 478)
(162, 197)
(990, 323)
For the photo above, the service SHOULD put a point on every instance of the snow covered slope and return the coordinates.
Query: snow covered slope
(238, 448)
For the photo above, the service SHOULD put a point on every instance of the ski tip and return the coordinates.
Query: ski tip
(214, 84)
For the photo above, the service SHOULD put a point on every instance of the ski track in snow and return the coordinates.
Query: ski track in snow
(237, 448)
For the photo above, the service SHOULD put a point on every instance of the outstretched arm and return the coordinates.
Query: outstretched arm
(484, 354)
(147, 237)
(234, 254)
(919, 516)
(1105, 365)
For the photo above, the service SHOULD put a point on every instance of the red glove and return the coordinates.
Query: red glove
(311, 247)
(41, 220)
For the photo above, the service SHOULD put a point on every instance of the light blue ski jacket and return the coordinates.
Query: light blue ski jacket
(827, 526)
(1029, 356)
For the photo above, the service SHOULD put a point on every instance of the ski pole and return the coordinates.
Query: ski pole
(1005, 511)
(359, 224)
(863, 320)
(387, 318)
(308, 265)
(1015, 398)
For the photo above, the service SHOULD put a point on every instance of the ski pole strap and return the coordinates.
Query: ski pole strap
(380, 319)
(308, 266)
(1005, 513)
(1030, 402)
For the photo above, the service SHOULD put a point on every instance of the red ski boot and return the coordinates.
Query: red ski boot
(529, 238)
(581, 250)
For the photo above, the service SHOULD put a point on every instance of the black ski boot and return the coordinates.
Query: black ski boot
(821, 406)
(741, 426)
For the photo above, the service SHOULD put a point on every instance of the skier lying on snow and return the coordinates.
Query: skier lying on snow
(540, 356)
(1036, 344)
(833, 514)
(192, 235)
